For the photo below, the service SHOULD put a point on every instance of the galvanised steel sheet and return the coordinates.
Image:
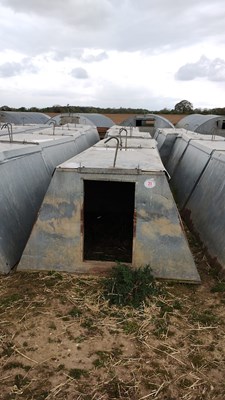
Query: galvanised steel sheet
(56, 242)
(23, 183)
(26, 167)
(191, 167)
(180, 146)
(204, 124)
(205, 209)
(166, 139)
(23, 118)
(97, 120)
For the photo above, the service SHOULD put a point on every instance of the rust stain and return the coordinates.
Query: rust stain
(182, 225)
(134, 223)
(162, 226)
(82, 220)
(143, 214)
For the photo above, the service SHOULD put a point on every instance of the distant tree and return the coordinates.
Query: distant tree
(33, 109)
(218, 111)
(57, 108)
(5, 108)
(165, 110)
(184, 107)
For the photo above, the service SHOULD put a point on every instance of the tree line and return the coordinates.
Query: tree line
(182, 107)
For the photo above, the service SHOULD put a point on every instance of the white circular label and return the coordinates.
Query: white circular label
(149, 183)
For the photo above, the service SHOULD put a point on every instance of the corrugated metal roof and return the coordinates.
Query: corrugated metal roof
(98, 120)
(193, 121)
(23, 118)
(160, 121)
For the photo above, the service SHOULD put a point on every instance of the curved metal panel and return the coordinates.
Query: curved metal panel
(206, 208)
(205, 124)
(23, 118)
(26, 168)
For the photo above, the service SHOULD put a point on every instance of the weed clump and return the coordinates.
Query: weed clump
(77, 373)
(127, 286)
(218, 288)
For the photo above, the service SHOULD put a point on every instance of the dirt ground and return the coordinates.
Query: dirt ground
(119, 118)
(60, 339)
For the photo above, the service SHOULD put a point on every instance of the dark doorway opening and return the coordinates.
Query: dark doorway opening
(138, 122)
(108, 220)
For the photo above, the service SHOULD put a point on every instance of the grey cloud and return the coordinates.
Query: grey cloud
(217, 70)
(79, 73)
(95, 57)
(80, 12)
(61, 54)
(125, 25)
(10, 69)
(213, 70)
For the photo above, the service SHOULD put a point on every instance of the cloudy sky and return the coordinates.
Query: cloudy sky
(112, 53)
